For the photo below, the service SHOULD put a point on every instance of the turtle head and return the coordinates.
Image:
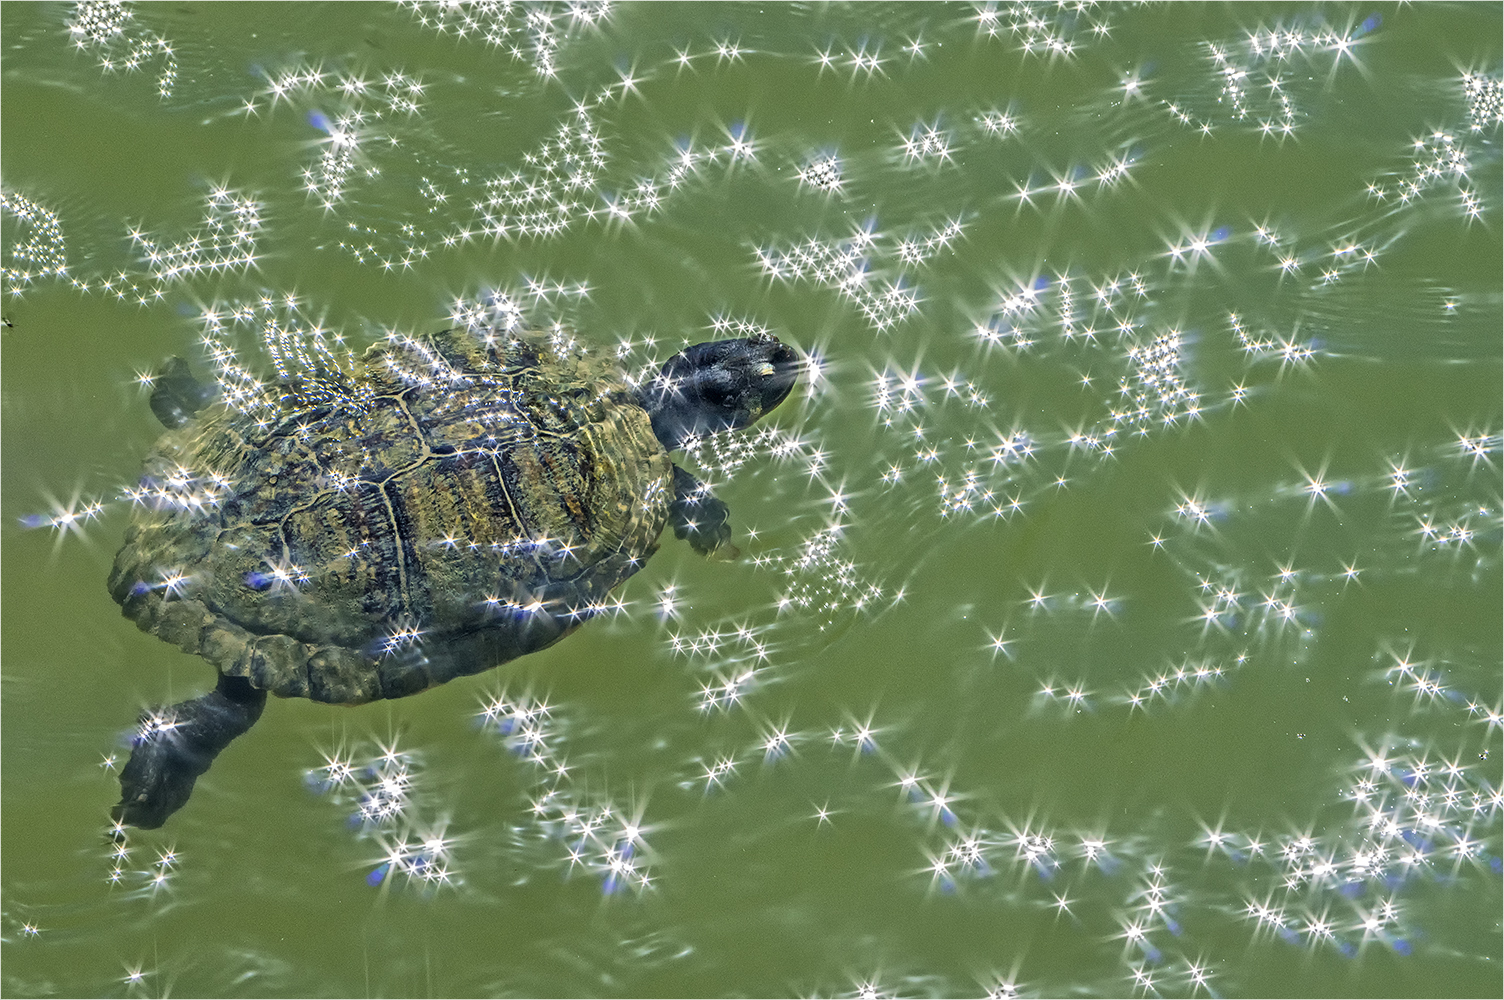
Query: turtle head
(723, 385)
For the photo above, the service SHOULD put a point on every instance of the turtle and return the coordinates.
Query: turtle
(432, 508)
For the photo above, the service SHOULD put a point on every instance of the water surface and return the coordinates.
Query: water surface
(1118, 610)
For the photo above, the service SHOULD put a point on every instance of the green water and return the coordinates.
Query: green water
(1125, 585)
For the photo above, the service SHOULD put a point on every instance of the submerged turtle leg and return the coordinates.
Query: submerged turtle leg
(697, 515)
(177, 395)
(177, 745)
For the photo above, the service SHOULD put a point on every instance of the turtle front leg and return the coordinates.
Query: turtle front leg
(178, 744)
(697, 515)
(178, 395)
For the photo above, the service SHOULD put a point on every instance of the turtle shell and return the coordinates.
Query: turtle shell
(451, 503)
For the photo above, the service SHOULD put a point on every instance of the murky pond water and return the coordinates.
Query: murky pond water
(1118, 607)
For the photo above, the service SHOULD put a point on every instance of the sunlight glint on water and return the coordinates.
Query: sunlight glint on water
(1118, 600)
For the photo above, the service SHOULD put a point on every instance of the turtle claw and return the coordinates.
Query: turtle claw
(157, 781)
(178, 395)
(705, 535)
(699, 515)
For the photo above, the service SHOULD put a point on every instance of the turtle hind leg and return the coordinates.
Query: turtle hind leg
(177, 745)
(698, 515)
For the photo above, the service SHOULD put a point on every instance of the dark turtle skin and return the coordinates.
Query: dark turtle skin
(448, 504)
